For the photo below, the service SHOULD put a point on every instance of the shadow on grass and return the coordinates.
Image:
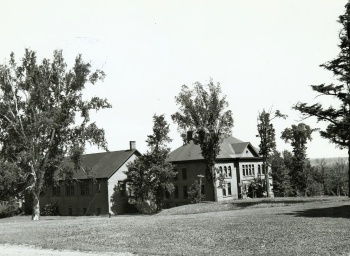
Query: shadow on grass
(330, 212)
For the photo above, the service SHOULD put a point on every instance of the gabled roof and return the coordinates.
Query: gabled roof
(102, 165)
(230, 148)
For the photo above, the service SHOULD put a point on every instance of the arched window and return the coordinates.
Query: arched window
(253, 169)
(229, 171)
(220, 170)
(243, 170)
(225, 171)
(259, 170)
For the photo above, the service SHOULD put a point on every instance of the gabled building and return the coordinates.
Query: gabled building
(239, 161)
(90, 193)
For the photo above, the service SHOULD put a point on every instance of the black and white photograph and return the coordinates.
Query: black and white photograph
(159, 127)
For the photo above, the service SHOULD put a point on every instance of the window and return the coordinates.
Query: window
(253, 169)
(121, 186)
(167, 194)
(243, 170)
(250, 169)
(225, 171)
(220, 170)
(84, 188)
(69, 189)
(259, 170)
(56, 190)
(185, 192)
(229, 171)
(184, 174)
(98, 185)
(176, 176)
(224, 190)
(176, 192)
(229, 189)
(202, 190)
(262, 169)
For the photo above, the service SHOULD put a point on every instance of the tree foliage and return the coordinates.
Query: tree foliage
(150, 176)
(195, 193)
(39, 103)
(203, 111)
(338, 118)
(298, 135)
(266, 132)
(280, 173)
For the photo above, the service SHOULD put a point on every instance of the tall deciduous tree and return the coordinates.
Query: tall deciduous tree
(338, 118)
(38, 108)
(150, 176)
(203, 111)
(298, 135)
(267, 140)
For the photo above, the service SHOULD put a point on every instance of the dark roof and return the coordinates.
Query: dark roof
(230, 148)
(102, 165)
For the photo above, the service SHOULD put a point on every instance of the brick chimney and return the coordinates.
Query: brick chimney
(132, 145)
(189, 136)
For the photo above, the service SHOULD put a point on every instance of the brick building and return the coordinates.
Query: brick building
(239, 161)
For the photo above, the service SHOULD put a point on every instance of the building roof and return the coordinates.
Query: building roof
(230, 148)
(101, 165)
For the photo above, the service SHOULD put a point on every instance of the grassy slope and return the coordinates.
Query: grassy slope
(320, 227)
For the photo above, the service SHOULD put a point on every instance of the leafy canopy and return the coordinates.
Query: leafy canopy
(150, 176)
(39, 104)
(203, 111)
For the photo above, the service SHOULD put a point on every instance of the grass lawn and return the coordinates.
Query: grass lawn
(246, 227)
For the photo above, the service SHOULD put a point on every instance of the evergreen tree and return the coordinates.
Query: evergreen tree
(150, 176)
(338, 118)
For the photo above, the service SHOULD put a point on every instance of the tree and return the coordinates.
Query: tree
(203, 111)
(195, 193)
(339, 177)
(38, 126)
(298, 135)
(267, 140)
(150, 176)
(279, 173)
(338, 118)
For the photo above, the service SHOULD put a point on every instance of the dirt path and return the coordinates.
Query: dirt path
(14, 250)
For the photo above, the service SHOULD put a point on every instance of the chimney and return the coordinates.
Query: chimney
(189, 136)
(132, 145)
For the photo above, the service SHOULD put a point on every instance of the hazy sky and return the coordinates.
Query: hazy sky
(264, 54)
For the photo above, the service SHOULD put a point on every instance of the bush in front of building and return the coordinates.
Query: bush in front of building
(195, 193)
(50, 210)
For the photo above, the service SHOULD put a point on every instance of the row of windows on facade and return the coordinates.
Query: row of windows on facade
(69, 189)
(226, 191)
(227, 171)
(248, 169)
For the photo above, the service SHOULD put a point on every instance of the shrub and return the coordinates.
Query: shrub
(50, 210)
(195, 193)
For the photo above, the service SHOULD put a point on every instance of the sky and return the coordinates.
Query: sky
(265, 54)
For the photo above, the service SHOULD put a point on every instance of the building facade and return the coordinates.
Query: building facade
(101, 190)
(238, 161)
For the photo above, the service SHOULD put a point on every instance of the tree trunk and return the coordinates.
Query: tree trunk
(36, 206)
(349, 168)
(267, 178)
(214, 184)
